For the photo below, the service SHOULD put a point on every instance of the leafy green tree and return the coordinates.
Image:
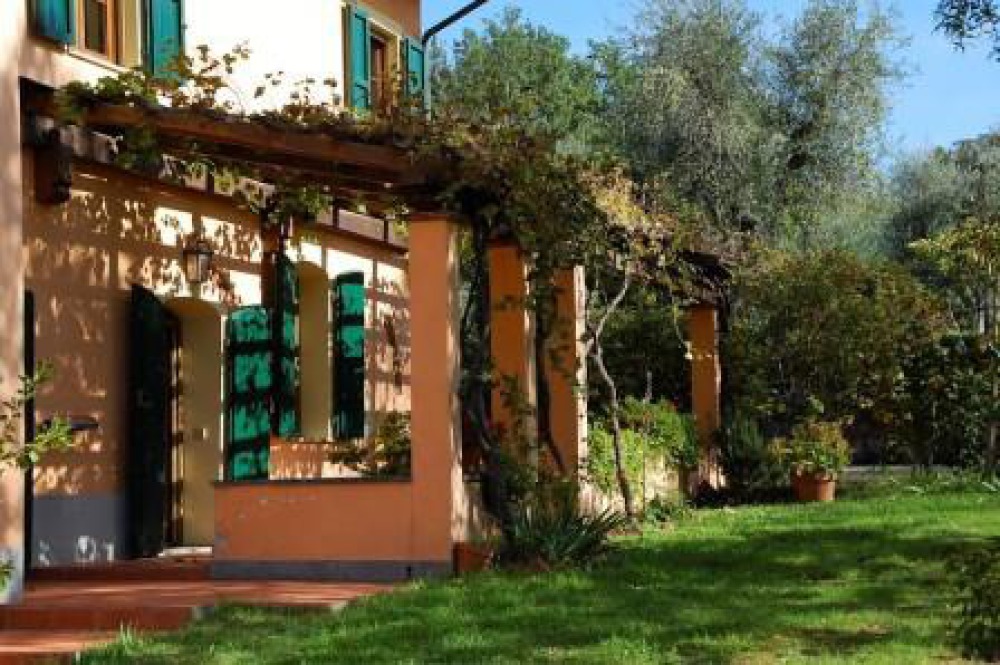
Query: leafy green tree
(521, 73)
(769, 134)
(929, 190)
(829, 77)
(965, 20)
(938, 190)
(685, 103)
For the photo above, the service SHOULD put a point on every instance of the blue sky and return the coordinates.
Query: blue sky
(949, 95)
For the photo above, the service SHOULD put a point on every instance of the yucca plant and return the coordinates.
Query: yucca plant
(558, 534)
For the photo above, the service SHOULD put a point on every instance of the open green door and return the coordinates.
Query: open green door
(152, 330)
(249, 379)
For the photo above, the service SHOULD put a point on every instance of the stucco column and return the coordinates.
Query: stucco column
(566, 370)
(13, 27)
(706, 386)
(511, 336)
(438, 488)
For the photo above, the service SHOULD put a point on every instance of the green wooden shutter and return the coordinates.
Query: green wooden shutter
(164, 35)
(359, 59)
(416, 69)
(287, 307)
(249, 384)
(349, 363)
(55, 19)
(149, 422)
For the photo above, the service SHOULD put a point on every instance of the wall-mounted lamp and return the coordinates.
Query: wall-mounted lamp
(198, 262)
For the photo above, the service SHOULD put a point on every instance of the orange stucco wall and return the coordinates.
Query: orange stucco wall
(404, 12)
(316, 522)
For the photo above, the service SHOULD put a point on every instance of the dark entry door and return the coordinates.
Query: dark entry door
(152, 332)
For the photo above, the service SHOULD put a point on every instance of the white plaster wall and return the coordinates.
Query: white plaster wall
(303, 38)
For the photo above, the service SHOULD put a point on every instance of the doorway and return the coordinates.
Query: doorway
(197, 452)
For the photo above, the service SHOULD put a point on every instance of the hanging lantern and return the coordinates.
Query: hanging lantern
(198, 262)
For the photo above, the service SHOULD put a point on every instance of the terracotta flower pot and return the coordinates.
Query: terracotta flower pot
(472, 558)
(811, 487)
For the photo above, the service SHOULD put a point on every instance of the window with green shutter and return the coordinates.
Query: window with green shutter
(287, 308)
(55, 19)
(359, 62)
(249, 382)
(349, 361)
(416, 69)
(164, 35)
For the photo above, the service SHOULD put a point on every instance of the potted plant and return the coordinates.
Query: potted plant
(474, 557)
(815, 454)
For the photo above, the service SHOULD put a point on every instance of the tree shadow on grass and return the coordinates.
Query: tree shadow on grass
(813, 591)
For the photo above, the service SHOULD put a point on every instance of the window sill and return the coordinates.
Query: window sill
(96, 59)
(298, 482)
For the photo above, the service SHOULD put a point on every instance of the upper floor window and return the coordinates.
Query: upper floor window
(379, 63)
(99, 22)
(127, 32)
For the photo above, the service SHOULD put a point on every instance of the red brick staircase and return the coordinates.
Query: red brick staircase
(68, 609)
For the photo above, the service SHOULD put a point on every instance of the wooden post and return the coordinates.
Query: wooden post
(706, 388)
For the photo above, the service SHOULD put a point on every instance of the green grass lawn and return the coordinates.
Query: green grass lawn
(860, 581)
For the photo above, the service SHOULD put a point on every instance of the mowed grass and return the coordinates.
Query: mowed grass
(864, 580)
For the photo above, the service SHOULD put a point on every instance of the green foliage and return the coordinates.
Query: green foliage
(54, 438)
(795, 116)
(644, 348)
(946, 402)
(750, 467)
(388, 452)
(555, 534)
(825, 327)
(524, 75)
(814, 447)
(977, 577)
(967, 260)
(941, 189)
(652, 434)
(966, 20)
(19, 454)
(661, 511)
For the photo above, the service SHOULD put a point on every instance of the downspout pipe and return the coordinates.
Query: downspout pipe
(451, 20)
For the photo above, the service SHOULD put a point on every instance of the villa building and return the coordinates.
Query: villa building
(210, 368)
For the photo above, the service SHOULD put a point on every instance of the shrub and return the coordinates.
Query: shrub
(552, 534)
(650, 432)
(750, 468)
(978, 581)
(946, 402)
(815, 447)
(825, 326)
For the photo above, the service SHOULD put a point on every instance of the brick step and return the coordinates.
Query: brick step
(188, 570)
(96, 618)
(28, 647)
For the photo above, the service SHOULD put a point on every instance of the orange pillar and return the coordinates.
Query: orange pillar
(706, 386)
(13, 31)
(511, 337)
(566, 370)
(438, 488)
